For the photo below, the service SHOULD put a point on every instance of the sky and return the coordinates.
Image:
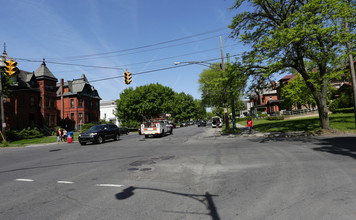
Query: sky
(103, 38)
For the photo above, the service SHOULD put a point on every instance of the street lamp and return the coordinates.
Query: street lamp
(194, 62)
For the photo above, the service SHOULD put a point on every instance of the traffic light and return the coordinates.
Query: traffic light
(127, 77)
(10, 67)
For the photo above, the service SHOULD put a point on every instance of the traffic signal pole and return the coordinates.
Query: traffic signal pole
(3, 125)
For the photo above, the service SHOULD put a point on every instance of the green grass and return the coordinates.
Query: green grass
(33, 141)
(342, 121)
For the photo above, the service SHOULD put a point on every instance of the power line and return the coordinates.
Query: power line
(137, 48)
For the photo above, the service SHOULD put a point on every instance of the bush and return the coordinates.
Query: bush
(86, 127)
(334, 105)
(275, 118)
(23, 134)
(342, 110)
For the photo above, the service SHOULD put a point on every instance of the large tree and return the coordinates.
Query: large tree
(135, 105)
(287, 34)
(153, 100)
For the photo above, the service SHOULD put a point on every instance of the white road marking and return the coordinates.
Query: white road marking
(109, 185)
(24, 180)
(65, 182)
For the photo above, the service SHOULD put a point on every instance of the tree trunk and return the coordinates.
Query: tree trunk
(323, 109)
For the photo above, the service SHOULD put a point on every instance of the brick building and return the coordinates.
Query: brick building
(36, 100)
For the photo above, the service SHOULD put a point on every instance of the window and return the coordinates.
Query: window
(46, 102)
(52, 120)
(80, 115)
(32, 101)
(270, 97)
(80, 103)
(47, 120)
(52, 103)
(72, 103)
(72, 116)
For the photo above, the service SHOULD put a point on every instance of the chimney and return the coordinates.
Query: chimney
(62, 100)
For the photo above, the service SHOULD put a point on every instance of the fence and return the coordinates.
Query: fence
(295, 112)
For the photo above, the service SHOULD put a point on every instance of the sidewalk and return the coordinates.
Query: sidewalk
(255, 133)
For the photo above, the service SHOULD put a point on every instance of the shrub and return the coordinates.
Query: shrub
(23, 134)
(86, 127)
(274, 118)
(343, 110)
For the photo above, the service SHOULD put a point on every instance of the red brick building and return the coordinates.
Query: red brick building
(35, 100)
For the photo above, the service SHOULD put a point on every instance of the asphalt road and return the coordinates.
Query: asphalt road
(193, 174)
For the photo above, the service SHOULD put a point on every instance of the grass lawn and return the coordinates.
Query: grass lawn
(33, 141)
(342, 121)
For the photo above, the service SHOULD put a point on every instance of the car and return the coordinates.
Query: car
(201, 123)
(99, 133)
(124, 130)
(191, 123)
(183, 124)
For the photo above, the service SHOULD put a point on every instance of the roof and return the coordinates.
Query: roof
(79, 86)
(44, 73)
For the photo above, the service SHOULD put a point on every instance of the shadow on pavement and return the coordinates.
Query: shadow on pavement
(206, 199)
(345, 146)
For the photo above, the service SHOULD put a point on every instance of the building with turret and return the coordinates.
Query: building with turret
(35, 99)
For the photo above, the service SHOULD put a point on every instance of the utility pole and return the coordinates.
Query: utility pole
(352, 70)
(3, 125)
(225, 100)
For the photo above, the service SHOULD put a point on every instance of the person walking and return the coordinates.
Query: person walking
(249, 125)
(64, 135)
(59, 135)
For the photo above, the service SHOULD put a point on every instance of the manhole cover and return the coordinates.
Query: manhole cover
(133, 169)
(142, 162)
(145, 169)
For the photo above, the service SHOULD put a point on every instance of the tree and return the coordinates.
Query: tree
(287, 34)
(222, 88)
(153, 100)
(144, 102)
(296, 93)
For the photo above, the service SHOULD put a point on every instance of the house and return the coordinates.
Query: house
(107, 111)
(36, 100)
(265, 100)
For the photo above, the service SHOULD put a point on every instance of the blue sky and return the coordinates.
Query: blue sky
(139, 35)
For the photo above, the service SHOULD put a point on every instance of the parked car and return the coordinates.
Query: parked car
(191, 123)
(99, 133)
(183, 124)
(201, 123)
(124, 130)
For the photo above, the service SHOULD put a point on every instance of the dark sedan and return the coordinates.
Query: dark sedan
(99, 133)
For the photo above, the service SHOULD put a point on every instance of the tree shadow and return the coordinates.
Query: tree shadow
(345, 146)
(206, 199)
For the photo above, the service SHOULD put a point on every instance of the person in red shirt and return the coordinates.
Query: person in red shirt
(249, 125)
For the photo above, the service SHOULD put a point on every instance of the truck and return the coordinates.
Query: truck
(156, 127)
(217, 122)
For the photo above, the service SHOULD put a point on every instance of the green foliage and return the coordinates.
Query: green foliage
(343, 110)
(28, 133)
(289, 35)
(86, 127)
(274, 118)
(219, 87)
(153, 100)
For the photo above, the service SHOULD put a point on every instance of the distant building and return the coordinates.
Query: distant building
(107, 111)
(36, 100)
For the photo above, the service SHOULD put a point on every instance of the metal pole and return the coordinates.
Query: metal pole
(226, 118)
(3, 127)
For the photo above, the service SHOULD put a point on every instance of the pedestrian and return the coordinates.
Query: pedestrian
(257, 117)
(59, 135)
(249, 125)
(64, 135)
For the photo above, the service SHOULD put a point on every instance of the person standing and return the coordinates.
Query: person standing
(59, 135)
(64, 135)
(249, 125)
